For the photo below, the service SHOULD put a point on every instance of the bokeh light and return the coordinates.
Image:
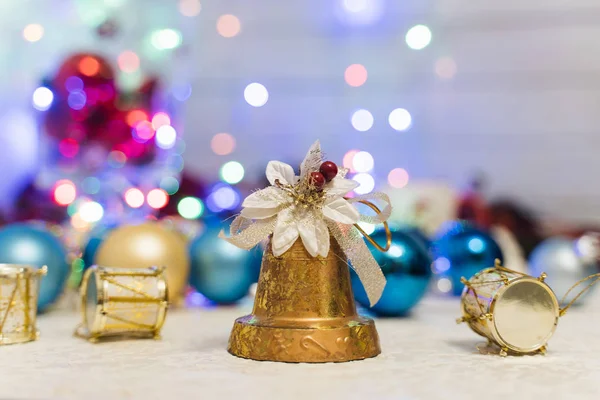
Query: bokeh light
(189, 8)
(157, 198)
(222, 144)
(78, 223)
(182, 91)
(228, 25)
(166, 137)
(68, 147)
(134, 198)
(445, 68)
(348, 158)
(444, 285)
(73, 84)
(136, 116)
(91, 211)
(165, 39)
(116, 159)
(363, 162)
(159, 119)
(398, 178)
(190, 207)
(143, 132)
(476, 245)
(65, 192)
(89, 66)
(400, 119)
(232, 172)
(42, 98)
(396, 251)
(33, 32)
(256, 94)
(418, 37)
(362, 120)
(128, 61)
(77, 100)
(91, 185)
(355, 75)
(223, 198)
(170, 184)
(440, 265)
(360, 12)
(366, 181)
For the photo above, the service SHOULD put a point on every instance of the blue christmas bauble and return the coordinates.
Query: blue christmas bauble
(220, 271)
(26, 244)
(417, 234)
(407, 268)
(461, 250)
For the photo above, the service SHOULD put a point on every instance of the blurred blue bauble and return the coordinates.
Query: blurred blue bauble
(564, 262)
(95, 239)
(417, 234)
(26, 244)
(220, 271)
(461, 250)
(407, 268)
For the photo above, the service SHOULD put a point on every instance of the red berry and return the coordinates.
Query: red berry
(317, 179)
(329, 170)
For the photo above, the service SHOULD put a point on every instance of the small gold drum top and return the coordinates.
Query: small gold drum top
(517, 312)
(123, 302)
(19, 288)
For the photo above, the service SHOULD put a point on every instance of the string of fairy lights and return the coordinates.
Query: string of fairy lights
(223, 195)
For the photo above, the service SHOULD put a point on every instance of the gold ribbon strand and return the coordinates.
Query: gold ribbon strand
(594, 277)
(388, 233)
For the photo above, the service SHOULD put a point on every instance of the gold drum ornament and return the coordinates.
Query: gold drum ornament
(19, 290)
(126, 302)
(517, 312)
(304, 311)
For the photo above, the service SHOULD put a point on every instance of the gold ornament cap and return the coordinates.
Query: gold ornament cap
(304, 311)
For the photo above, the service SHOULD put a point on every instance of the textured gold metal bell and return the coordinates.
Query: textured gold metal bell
(304, 311)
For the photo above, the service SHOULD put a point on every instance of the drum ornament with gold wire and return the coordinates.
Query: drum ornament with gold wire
(123, 302)
(19, 290)
(516, 312)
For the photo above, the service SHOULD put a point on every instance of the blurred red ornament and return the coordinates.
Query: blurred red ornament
(88, 109)
(472, 205)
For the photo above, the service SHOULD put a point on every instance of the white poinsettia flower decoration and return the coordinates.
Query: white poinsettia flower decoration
(302, 206)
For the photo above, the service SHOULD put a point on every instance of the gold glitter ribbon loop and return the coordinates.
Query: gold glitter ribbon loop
(251, 235)
(360, 258)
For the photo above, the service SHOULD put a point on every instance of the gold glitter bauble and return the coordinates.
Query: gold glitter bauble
(148, 245)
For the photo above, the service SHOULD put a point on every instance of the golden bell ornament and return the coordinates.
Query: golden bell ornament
(304, 311)
(146, 245)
